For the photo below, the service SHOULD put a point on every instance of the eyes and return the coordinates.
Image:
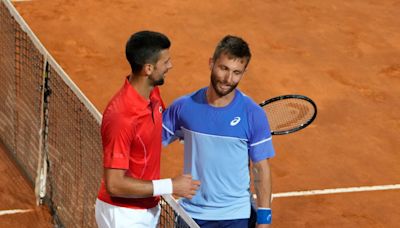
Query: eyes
(226, 69)
(164, 62)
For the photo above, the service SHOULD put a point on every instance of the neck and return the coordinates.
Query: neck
(141, 85)
(216, 100)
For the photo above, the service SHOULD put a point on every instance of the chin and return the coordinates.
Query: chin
(159, 82)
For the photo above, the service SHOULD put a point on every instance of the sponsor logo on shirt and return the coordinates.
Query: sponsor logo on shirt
(235, 121)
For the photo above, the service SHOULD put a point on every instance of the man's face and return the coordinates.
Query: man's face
(226, 73)
(161, 68)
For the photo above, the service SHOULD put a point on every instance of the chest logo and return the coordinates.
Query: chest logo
(235, 121)
(160, 109)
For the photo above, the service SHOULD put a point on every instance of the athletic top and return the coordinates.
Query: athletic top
(131, 137)
(218, 143)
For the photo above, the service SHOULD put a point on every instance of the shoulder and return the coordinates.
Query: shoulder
(196, 96)
(115, 126)
(255, 114)
(116, 115)
(114, 118)
(249, 104)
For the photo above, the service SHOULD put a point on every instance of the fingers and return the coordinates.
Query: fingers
(193, 189)
(193, 192)
(184, 186)
(190, 195)
(195, 185)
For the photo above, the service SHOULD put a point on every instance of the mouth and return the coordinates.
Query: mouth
(225, 86)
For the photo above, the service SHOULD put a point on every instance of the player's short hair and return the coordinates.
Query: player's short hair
(144, 47)
(234, 47)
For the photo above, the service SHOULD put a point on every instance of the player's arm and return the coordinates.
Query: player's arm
(171, 122)
(120, 185)
(261, 149)
(263, 188)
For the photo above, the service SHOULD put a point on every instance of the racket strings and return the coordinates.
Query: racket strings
(287, 114)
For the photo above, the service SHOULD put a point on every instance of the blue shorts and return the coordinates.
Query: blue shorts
(235, 223)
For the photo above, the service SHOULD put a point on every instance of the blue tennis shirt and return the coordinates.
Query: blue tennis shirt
(218, 142)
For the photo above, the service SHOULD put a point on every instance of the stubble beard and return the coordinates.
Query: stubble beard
(214, 83)
(158, 82)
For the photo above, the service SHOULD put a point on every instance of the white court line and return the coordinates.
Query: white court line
(16, 211)
(337, 190)
(284, 194)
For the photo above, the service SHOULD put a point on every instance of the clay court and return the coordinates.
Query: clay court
(345, 55)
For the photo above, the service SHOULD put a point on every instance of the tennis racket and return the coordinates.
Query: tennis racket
(289, 113)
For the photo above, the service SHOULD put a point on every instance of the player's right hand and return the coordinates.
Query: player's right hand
(185, 186)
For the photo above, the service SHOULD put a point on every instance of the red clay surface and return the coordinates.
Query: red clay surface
(346, 56)
(17, 194)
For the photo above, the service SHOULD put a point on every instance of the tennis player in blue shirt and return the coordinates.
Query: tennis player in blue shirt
(223, 130)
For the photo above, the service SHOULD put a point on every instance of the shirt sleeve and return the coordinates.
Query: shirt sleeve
(260, 142)
(171, 125)
(116, 138)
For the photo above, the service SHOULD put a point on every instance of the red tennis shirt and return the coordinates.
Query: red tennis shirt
(131, 137)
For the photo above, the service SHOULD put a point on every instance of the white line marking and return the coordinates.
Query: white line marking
(16, 211)
(337, 190)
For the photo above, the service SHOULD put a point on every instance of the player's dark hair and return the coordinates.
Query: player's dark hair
(234, 47)
(144, 47)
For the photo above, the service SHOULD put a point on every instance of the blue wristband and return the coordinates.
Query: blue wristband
(264, 216)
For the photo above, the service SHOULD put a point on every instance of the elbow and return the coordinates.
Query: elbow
(112, 188)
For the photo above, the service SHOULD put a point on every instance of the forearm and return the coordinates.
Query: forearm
(263, 188)
(128, 187)
(262, 183)
(120, 185)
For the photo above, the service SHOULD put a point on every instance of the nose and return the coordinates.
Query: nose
(229, 77)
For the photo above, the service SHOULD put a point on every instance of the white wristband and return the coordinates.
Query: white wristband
(162, 187)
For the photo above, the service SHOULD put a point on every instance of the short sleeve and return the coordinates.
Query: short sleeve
(171, 123)
(260, 141)
(117, 139)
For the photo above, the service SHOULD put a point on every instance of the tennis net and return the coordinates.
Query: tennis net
(52, 130)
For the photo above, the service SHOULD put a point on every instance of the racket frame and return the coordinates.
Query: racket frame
(295, 96)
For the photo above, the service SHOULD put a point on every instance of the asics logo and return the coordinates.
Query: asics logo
(235, 121)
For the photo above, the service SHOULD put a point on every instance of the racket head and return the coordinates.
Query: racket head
(289, 113)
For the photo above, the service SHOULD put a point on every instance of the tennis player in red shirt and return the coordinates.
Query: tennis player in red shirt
(131, 137)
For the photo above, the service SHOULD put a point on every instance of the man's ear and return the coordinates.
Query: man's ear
(211, 63)
(148, 69)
